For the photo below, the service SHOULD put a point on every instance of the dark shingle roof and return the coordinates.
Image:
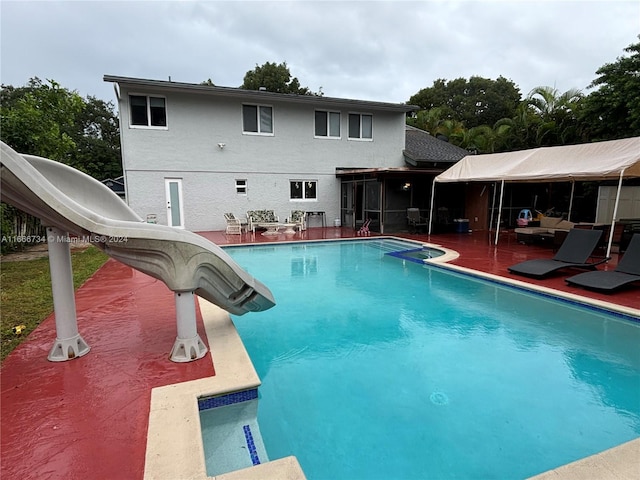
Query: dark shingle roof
(421, 149)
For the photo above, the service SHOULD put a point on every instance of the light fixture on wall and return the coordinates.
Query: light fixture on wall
(406, 186)
(222, 145)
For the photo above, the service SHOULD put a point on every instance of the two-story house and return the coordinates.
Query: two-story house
(193, 152)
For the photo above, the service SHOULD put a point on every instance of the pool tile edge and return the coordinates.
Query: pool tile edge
(174, 440)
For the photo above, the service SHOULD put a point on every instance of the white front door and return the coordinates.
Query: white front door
(173, 190)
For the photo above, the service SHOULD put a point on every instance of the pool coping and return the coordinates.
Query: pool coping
(174, 440)
(545, 291)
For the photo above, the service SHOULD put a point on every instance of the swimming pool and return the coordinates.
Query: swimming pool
(377, 367)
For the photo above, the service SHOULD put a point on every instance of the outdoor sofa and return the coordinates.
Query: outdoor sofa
(546, 231)
(260, 219)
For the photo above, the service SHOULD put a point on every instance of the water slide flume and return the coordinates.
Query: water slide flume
(69, 202)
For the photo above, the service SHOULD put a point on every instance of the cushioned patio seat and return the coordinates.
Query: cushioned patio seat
(299, 217)
(234, 227)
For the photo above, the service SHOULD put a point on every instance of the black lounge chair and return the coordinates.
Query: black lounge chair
(625, 273)
(574, 252)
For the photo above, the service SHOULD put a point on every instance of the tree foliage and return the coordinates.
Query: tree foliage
(556, 114)
(274, 78)
(45, 119)
(613, 110)
(474, 102)
(464, 111)
(38, 119)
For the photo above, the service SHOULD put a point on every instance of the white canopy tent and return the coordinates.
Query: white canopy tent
(615, 159)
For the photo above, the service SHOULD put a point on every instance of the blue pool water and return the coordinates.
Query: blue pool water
(377, 367)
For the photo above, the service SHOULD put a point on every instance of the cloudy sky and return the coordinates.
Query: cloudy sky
(369, 50)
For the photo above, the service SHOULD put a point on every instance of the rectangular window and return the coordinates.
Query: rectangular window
(241, 187)
(257, 119)
(147, 111)
(360, 126)
(327, 124)
(303, 189)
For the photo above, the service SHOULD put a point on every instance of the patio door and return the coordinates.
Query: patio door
(173, 192)
(346, 205)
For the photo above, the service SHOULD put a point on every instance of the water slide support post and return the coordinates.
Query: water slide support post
(69, 344)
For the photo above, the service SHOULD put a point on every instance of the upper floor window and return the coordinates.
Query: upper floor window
(360, 126)
(257, 119)
(327, 124)
(304, 189)
(148, 111)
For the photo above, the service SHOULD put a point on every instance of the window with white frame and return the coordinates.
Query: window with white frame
(241, 187)
(148, 111)
(360, 126)
(257, 119)
(304, 189)
(327, 124)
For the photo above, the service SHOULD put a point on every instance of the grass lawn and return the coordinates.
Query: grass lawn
(25, 292)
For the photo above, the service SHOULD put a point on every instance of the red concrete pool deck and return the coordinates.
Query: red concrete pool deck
(88, 418)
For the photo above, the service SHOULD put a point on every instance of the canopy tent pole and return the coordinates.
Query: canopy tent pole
(433, 196)
(499, 211)
(493, 207)
(615, 213)
(573, 187)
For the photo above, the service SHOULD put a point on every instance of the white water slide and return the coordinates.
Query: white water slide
(69, 202)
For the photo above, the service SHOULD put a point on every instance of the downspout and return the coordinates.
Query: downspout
(125, 180)
(433, 197)
(573, 186)
(615, 213)
(499, 211)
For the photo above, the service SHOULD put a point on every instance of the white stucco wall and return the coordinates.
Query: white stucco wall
(188, 149)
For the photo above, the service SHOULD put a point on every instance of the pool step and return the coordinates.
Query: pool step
(389, 245)
(232, 438)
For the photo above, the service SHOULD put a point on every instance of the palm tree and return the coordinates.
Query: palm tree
(452, 129)
(427, 120)
(548, 101)
(556, 112)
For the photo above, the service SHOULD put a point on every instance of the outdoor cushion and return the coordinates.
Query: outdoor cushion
(549, 222)
(563, 225)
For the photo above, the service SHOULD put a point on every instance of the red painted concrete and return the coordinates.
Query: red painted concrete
(87, 418)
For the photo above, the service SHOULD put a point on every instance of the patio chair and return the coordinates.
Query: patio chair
(626, 272)
(364, 229)
(234, 227)
(299, 217)
(415, 220)
(577, 248)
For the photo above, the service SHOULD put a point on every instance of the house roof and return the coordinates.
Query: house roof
(423, 154)
(115, 184)
(258, 95)
(423, 149)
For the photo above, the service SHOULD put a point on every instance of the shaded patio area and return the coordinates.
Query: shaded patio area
(88, 418)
